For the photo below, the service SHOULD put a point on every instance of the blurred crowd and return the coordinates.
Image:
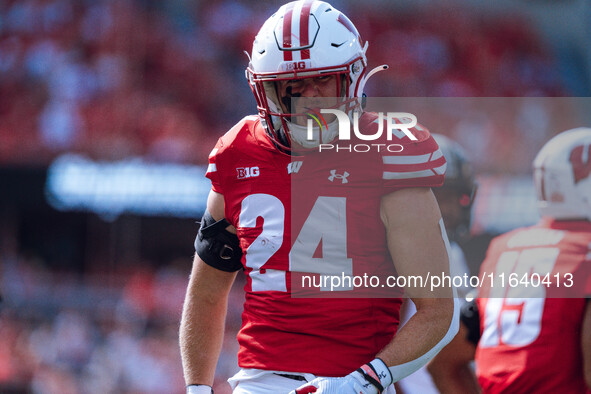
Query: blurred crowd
(164, 80)
(109, 334)
(113, 79)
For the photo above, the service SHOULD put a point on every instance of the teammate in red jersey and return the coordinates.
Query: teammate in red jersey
(532, 327)
(282, 210)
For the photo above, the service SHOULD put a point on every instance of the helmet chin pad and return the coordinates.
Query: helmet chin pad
(325, 135)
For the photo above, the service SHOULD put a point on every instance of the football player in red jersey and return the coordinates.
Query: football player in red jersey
(526, 336)
(279, 209)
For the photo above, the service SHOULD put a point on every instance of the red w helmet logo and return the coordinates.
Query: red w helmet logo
(581, 170)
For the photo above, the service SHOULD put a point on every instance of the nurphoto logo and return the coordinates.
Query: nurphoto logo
(397, 124)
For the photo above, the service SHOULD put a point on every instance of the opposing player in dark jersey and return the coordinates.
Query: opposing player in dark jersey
(530, 330)
(282, 210)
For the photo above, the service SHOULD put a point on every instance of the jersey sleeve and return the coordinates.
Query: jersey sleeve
(419, 164)
(212, 172)
(222, 158)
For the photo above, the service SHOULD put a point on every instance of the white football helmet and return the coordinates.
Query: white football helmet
(305, 39)
(562, 175)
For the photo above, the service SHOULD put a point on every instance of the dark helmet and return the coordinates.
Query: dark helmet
(459, 188)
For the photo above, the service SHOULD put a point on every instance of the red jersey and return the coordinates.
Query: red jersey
(316, 213)
(531, 342)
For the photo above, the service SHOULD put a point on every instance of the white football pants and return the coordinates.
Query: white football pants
(257, 381)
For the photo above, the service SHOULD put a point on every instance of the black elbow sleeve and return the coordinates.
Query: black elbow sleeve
(469, 317)
(216, 246)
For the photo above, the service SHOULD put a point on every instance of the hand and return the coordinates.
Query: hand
(371, 378)
(354, 383)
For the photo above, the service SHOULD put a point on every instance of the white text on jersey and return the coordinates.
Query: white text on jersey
(247, 172)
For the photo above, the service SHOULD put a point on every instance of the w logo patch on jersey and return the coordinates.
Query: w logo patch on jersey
(294, 167)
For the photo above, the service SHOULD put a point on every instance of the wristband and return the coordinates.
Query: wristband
(377, 373)
(199, 389)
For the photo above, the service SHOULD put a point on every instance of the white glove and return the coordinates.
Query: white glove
(199, 389)
(372, 378)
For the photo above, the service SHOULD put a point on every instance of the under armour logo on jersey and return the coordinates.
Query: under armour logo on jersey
(342, 177)
(247, 172)
(294, 167)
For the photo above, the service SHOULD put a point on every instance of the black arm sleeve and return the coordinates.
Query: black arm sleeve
(469, 317)
(216, 246)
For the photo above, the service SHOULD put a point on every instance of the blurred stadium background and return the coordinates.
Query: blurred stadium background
(108, 109)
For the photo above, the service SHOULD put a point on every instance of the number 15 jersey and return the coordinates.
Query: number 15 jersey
(531, 334)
